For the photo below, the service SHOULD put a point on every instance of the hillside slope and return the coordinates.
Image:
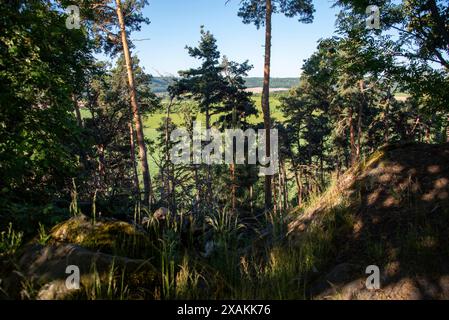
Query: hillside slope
(391, 211)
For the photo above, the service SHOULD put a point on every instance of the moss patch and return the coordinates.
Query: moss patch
(105, 235)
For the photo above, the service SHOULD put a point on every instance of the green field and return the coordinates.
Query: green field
(154, 120)
(160, 84)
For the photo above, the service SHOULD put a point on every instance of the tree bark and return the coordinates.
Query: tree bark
(266, 99)
(135, 108)
(133, 159)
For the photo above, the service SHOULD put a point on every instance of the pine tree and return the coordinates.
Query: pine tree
(205, 84)
(260, 13)
(109, 23)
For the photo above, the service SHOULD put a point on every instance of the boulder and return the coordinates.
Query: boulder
(44, 267)
(105, 235)
(99, 249)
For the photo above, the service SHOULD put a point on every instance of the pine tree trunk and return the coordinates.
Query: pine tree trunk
(135, 109)
(133, 159)
(266, 99)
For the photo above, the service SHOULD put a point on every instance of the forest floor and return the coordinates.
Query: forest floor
(390, 211)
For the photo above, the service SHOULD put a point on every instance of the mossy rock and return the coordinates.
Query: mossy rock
(105, 235)
(42, 274)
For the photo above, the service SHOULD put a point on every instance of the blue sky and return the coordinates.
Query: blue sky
(176, 23)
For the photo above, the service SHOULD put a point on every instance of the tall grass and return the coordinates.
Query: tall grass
(10, 241)
(216, 256)
(113, 286)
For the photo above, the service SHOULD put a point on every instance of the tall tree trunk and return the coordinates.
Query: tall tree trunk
(266, 99)
(135, 108)
(133, 159)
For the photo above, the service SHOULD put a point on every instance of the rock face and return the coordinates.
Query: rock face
(346, 282)
(91, 247)
(392, 211)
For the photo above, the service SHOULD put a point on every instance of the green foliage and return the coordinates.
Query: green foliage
(42, 63)
(254, 11)
(101, 21)
(204, 84)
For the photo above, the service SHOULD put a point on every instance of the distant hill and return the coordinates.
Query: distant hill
(160, 84)
(275, 83)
